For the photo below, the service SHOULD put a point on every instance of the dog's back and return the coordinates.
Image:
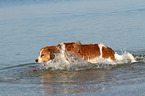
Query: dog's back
(90, 51)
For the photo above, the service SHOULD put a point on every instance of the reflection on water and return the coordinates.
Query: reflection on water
(72, 82)
(68, 82)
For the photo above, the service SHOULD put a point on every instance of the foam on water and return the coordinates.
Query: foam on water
(140, 58)
(70, 61)
(126, 57)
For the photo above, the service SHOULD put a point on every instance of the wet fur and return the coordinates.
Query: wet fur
(90, 52)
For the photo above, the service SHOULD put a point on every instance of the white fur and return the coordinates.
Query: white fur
(101, 46)
(62, 53)
(39, 58)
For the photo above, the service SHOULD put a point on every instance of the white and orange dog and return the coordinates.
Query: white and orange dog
(89, 52)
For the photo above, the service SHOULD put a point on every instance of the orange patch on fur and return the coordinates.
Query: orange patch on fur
(108, 52)
(86, 52)
(52, 49)
(89, 51)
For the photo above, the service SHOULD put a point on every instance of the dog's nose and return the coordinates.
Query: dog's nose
(36, 60)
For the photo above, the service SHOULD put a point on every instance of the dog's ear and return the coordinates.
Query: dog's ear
(52, 56)
(59, 46)
(76, 47)
(78, 43)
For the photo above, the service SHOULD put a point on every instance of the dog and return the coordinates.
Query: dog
(89, 52)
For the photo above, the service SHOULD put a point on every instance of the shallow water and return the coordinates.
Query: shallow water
(28, 25)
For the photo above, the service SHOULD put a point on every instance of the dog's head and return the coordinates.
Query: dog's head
(47, 54)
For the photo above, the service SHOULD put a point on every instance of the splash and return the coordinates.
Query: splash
(70, 61)
(66, 61)
(126, 57)
(140, 58)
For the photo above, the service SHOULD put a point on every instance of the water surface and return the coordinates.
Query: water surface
(28, 25)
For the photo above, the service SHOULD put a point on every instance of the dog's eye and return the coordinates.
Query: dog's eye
(42, 55)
